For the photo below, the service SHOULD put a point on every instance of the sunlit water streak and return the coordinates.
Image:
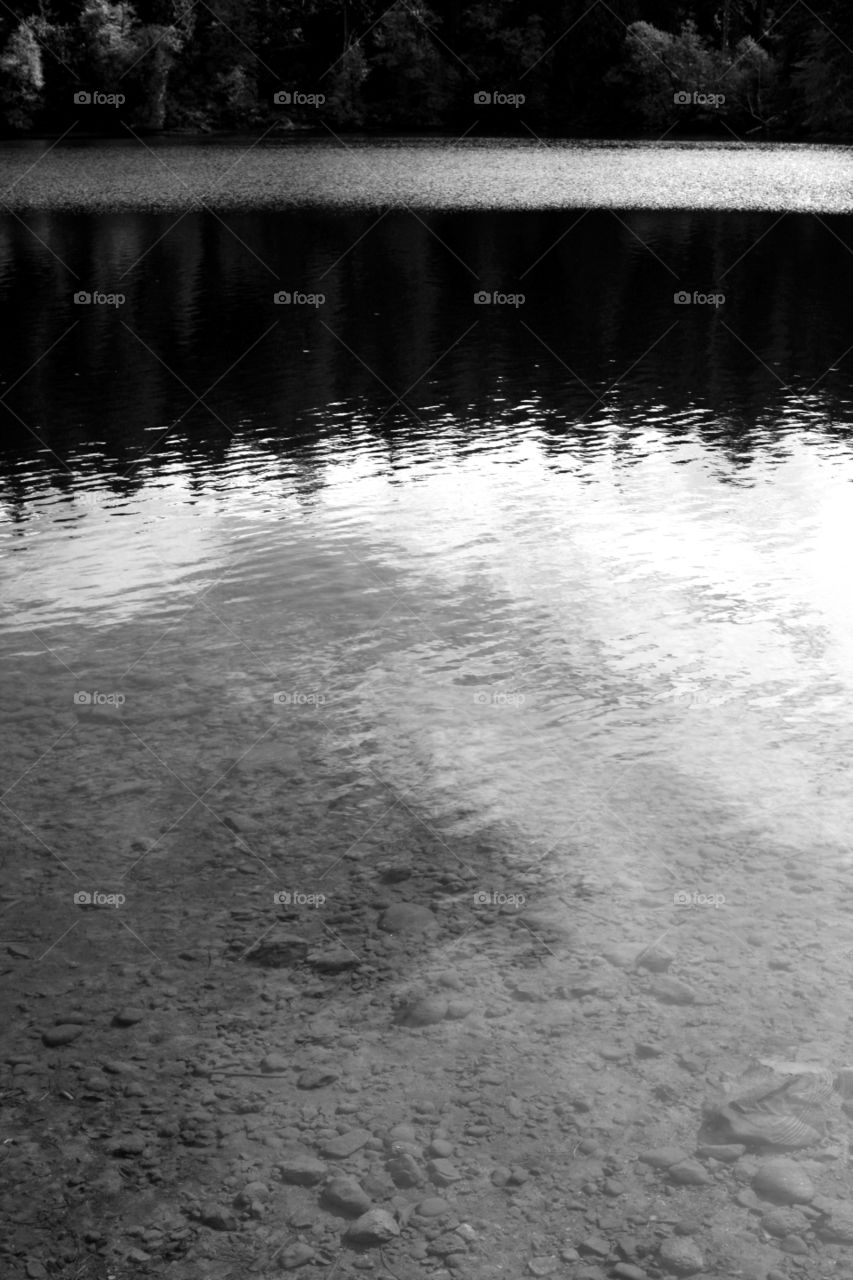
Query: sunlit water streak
(443, 173)
(600, 653)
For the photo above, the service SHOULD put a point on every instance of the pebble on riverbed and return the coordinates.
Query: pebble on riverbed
(424, 1011)
(131, 1144)
(407, 917)
(301, 1169)
(784, 1182)
(681, 1257)
(316, 1078)
(333, 960)
(671, 990)
(217, 1217)
(128, 1017)
(346, 1144)
(663, 1157)
(374, 1227)
(432, 1207)
(296, 1255)
(347, 1196)
(688, 1173)
(275, 1063)
(443, 1172)
(784, 1221)
(727, 1152)
(656, 959)
(62, 1034)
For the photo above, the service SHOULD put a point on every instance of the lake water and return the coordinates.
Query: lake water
(286, 171)
(571, 566)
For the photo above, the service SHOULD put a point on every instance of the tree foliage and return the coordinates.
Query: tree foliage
(823, 82)
(22, 70)
(579, 67)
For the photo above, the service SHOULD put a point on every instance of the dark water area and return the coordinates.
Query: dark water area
(589, 344)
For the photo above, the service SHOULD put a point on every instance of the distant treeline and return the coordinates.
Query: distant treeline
(576, 67)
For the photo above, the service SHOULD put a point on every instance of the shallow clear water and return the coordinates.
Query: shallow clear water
(585, 581)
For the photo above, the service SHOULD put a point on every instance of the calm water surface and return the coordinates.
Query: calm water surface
(577, 566)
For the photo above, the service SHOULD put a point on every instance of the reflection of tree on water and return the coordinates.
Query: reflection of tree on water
(597, 351)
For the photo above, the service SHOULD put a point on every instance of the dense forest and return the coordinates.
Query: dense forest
(544, 67)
